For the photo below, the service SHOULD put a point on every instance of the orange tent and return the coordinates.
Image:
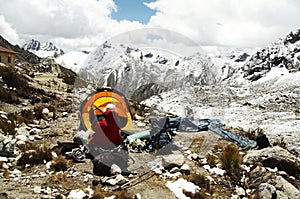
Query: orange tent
(97, 102)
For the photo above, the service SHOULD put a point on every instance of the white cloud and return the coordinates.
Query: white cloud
(8, 31)
(77, 24)
(68, 23)
(228, 22)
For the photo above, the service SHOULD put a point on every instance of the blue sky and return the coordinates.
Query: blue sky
(133, 10)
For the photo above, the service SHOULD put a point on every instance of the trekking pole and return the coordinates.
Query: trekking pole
(129, 183)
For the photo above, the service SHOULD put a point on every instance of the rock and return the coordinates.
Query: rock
(3, 159)
(7, 147)
(64, 114)
(51, 115)
(30, 138)
(287, 188)
(38, 137)
(173, 160)
(174, 170)
(2, 137)
(3, 113)
(240, 191)
(22, 130)
(185, 169)
(274, 157)
(115, 169)
(20, 143)
(23, 138)
(34, 131)
(120, 179)
(45, 111)
(4, 196)
(267, 191)
(3, 165)
(111, 182)
(4, 116)
(138, 196)
(193, 156)
(37, 189)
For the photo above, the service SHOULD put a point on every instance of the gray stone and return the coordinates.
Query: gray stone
(240, 191)
(274, 157)
(22, 130)
(3, 159)
(138, 196)
(173, 160)
(51, 115)
(2, 137)
(34, 131)
(120, 179)
(23, 138)
(286, 187)
(115, 169)
(267, 191)
(64, 114)
(7, 148)
(46, 111)
(185, 169)
(4, 116)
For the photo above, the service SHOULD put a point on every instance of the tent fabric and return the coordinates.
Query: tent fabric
(164, 124)
(96, 103)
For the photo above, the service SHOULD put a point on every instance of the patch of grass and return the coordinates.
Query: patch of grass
(281, 143)
(99, 193)
(231, 159)
(9, 96)
(7, 126)
(212, 160)
(123, 194)
(11, 77)
(26, 116)
(200, 180)
(34, 154)
(58, 177)
(60, 163)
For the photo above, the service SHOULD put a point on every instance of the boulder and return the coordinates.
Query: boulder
(274, 157)
(6, 146)
(173, 160)
(287, 188)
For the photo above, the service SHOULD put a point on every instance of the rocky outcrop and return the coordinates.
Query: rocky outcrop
(274, 157)
(282, 53)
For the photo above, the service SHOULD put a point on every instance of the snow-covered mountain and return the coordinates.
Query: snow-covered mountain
(43, 49)
(72, 60)
(141, 73)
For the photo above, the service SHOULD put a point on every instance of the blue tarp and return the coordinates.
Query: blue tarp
(160, 125)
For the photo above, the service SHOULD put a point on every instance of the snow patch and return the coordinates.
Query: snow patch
(181, 185)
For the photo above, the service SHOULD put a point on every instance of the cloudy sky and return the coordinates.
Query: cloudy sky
(78, 24)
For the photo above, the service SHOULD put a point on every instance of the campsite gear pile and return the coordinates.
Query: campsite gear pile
(160, 135)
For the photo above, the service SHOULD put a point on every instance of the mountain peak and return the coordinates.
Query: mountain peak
(42, 49)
